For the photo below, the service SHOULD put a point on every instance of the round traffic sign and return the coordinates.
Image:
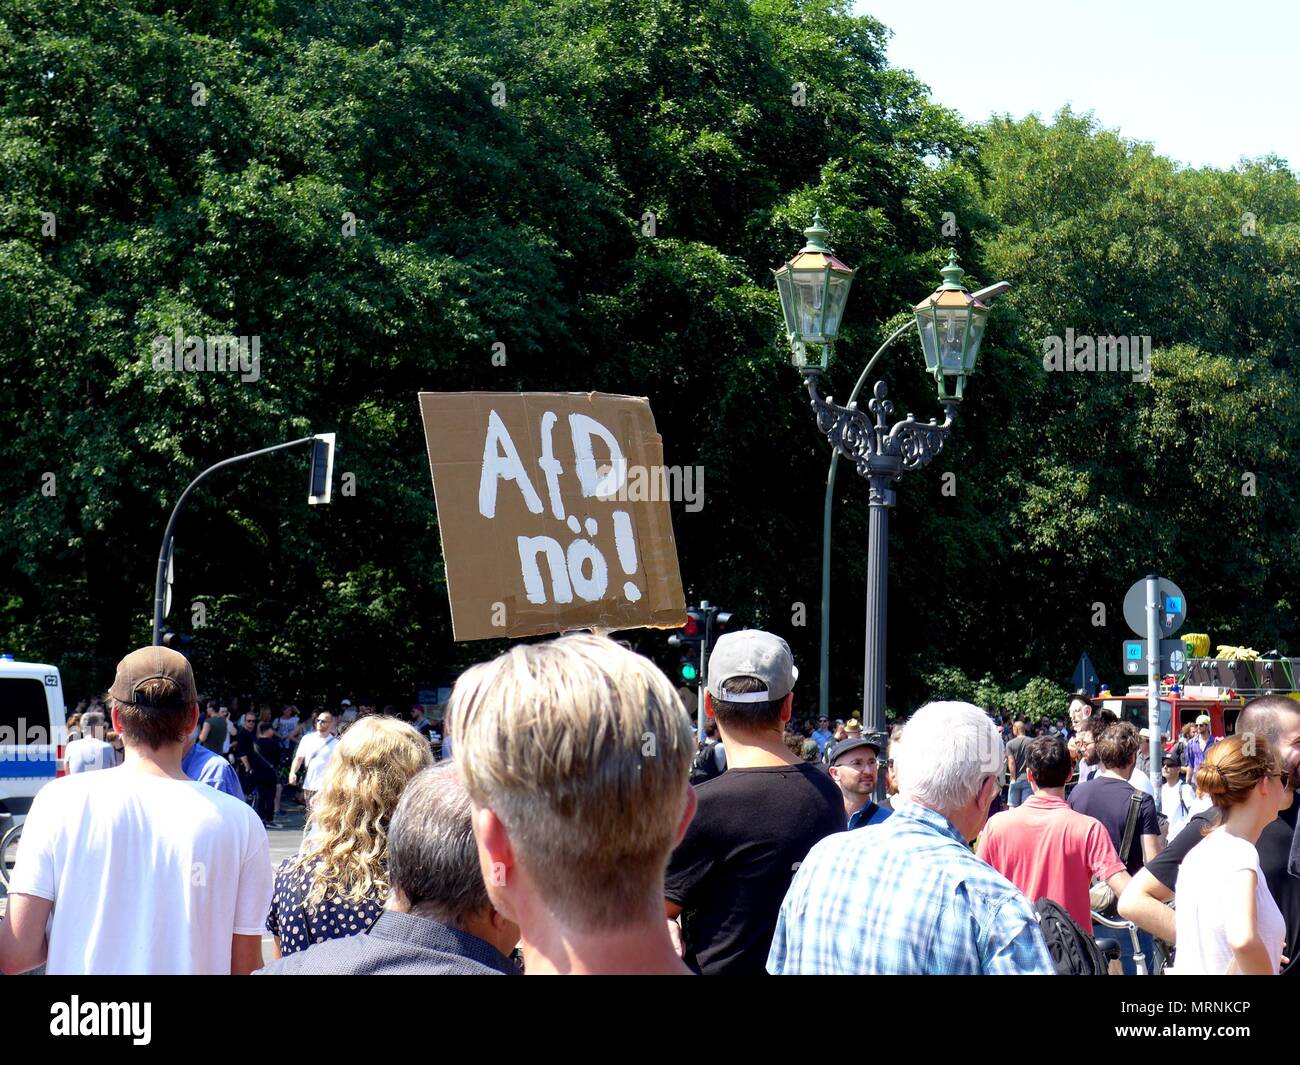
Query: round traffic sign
(1172, 607)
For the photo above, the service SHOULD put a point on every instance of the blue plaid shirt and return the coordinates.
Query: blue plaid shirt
(904, 896)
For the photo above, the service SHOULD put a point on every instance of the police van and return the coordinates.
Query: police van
(32, 734)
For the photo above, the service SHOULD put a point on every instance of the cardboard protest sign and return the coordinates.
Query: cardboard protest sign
(539, 531)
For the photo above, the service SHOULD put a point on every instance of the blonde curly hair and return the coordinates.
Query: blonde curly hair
(348, 850)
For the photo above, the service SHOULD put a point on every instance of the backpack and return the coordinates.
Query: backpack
(1073, 951)
(704, 766)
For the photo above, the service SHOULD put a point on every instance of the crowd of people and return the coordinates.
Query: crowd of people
(581, 827)
(267, 761)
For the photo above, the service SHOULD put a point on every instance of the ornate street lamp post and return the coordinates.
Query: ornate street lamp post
(951, 324)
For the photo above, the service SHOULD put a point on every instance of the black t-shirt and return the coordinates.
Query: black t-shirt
(269, 748)
(1274, 849)
(731, 871)
(1164, 866)
(242, 745)
(1017, 751)
(1107, 799)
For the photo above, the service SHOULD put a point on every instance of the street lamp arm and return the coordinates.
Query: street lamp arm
(862, 377)
(869, 441)
(160, 581)
(916, 443)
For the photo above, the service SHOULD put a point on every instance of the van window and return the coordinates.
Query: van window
(24, 713)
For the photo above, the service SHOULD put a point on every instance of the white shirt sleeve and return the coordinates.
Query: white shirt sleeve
(36, 868)
(256, 883)
(1142, 782)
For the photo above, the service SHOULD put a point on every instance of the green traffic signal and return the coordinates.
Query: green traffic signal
(689, 672)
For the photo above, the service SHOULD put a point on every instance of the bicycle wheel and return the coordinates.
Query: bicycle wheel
(9, 854)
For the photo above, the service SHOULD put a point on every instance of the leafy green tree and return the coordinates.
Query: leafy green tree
(380, 194)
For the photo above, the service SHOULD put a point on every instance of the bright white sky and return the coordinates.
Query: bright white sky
(1205, 82)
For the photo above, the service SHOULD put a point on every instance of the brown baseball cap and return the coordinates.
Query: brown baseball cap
(153, 663)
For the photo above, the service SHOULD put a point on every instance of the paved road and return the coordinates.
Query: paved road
(285, 840)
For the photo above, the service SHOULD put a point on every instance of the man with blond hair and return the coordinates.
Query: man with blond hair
(576, 754)
(907, 896)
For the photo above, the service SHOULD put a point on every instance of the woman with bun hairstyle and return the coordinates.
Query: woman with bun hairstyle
(1227, 922)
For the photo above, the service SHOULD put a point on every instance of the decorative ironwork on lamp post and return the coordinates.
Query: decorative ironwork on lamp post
(813, 288)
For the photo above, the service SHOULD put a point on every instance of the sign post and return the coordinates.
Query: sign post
(1153, 675)
(1173, 657)
(704, 670)
(1155, 608)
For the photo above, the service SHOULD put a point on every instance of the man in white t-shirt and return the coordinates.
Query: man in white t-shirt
(1142, 782)
(91, 751)
(313, 755)
(1177, 797)
(138, 869)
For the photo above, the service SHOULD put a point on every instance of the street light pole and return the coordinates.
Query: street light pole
(813, 288)
(824, 689)
(873, 665)
(882, 453)
(160, 581)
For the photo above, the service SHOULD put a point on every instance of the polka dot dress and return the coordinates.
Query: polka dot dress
(332, 919)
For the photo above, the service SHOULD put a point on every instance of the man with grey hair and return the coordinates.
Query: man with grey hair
(90, 750)
(907, 896)
(438, 920)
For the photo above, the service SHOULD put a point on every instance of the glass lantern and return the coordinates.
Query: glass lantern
(951, 322)
(814, 288)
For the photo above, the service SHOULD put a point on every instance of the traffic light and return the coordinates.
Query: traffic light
(689, 666)
(692, 634)
(688, 642)
(177, 641)
(320, 480)
(704, 624)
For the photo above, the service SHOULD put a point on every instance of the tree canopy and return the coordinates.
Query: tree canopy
(381, 193)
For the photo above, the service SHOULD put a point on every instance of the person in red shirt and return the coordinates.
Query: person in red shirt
(1048, 850)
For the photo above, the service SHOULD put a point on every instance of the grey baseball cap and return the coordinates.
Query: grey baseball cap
(752, 653)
